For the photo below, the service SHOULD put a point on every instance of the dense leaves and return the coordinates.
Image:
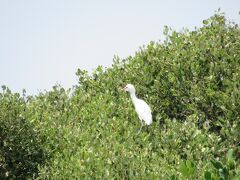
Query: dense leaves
(20, 145)
(192, 82)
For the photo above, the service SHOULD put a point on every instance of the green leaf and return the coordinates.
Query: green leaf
(217, 164)
(207, 175)
(3, 87)
(230, 155)
(205, 22)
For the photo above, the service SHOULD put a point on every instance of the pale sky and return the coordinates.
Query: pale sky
(43, 42)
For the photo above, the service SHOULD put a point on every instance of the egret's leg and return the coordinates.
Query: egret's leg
(141, 127)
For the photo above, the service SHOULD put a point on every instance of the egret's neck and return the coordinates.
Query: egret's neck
(133, 97)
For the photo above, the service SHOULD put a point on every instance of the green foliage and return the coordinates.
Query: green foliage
(20, 146)
(229, 170)
(187, 168)
(192, 83)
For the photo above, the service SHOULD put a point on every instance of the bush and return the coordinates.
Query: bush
(191, 81)
(20, 145)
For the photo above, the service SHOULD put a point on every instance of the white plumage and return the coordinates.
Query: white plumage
(141, 107)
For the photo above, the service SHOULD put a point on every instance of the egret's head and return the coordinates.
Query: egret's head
(129, 88)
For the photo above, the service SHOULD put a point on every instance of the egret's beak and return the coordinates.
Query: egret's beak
(124, 89)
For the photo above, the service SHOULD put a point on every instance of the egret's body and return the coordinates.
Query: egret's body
(141, 107)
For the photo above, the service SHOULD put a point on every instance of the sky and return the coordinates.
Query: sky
(43, 43)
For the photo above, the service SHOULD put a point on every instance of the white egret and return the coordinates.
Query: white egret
(142, 108)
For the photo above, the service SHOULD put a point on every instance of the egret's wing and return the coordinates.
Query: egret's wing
(144, 111)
